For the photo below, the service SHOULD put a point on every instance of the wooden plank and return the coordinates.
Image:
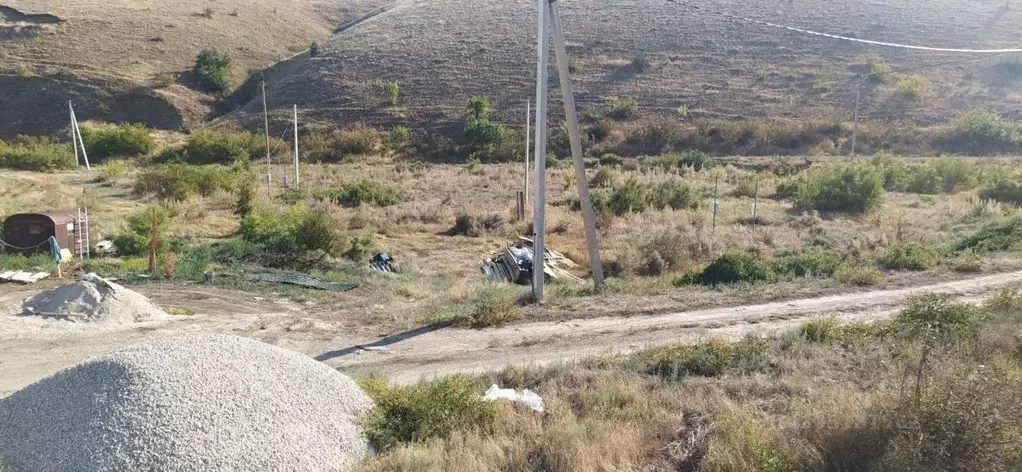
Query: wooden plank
(39, 276)
(22, 277)
(5, 276)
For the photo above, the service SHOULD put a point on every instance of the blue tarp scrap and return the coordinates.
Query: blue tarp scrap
(382, 262)
(306, 281)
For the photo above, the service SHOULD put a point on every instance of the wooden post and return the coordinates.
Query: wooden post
(575, 138)
(520, 206)
(266, 122)
(296, 148)
(154, 238)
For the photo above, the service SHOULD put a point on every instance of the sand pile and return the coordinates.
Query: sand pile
(196, 403)
(94, 299)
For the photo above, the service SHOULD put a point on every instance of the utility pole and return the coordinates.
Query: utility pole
(74, 136)
(528, 128)
(755, 204)
(266, 122)
(575, 138)
(855, 122)
(539, 212)
(296, 147)
(78, 132)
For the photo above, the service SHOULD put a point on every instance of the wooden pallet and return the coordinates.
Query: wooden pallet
(22, 277)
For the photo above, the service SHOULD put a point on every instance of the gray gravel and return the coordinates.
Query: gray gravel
(194, 403)
(94, 299)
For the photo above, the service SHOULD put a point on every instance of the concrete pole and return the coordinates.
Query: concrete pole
(539, 212)
(575, 138)
(74, 136)
(296, 148)
(78, 132)
(855, 122)
(266, 122)
(528, 127)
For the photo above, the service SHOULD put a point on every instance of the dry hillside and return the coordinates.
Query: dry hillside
(443, 52)
(107, 55)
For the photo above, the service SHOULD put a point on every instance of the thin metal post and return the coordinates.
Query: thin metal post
(575, 138)
(539, 212)
(855, 122)
(296, 148)
(715, 205)
(266, 122)
(528, 130)
(81, 142)
(755, 204)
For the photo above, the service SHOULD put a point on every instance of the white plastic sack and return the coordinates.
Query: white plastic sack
(526, 398)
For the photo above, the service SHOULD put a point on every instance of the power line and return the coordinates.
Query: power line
(843, 38)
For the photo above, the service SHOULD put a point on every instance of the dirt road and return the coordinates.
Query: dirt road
(31, 349)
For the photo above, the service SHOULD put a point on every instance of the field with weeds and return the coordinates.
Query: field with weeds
(935, 388)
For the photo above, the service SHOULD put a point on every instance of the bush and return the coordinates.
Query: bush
(660, 252)
(1001, 235)
(982, 132)
(878, 69)
(944, 175)
(939, 317)
(136, 240)
(423, 411)
(862, 276)
(909, 257)
(360, 247)
(697, 160)
(819, 330)
(393, 91)
(214, 71)
(129, 140)
(746, 185)
(214, 147)
(360, 140)
(629, 197)
(1007, 302)
(468, 225)
(807, 264)
(733, 267)
(36, 154)
(674, 195)
(657, 135)
(914, 86)
(284, 231)
(1005, 191)
(365, 192)
(711, 359)
(399, 139)
(847, 188)
(493, 308)
(181, 181)
(604, 178)
(621, 108)
(111, 172)
(484, 136)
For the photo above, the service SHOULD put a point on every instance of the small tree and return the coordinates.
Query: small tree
(479, 108)
(314, 49)
(214, 70)
(393, 91)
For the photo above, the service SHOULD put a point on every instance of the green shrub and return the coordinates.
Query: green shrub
(604, 178)
(36, 154)
(213, 147)
(733, 267)
(478, 108)
(1007, 302)
(629, 197)
(214, 71)
(399, 139)
(111, 172)
(1005, 191)
(697, 160)
(845, 188)
(862, 276)
(659, 252)
(710, 359)
(284, 231)
(136, 240)
(674, 195)
(1001, 235)
(365, 192)
(746, 185)
(181, 181)
(621, 108)
(610, 160)
(980, 132)
(25, 261)
(939, 317)
(657, 135)
(418, 413)
(914, 86)
(819, 330)
(128, 140)
(878, 70)
(830, 329)
(909, 257)
(483, 136)
(360, 247)
(786, 190)
(393, 91)
(492, 308)
(806, 263)
(360, 140)
(943, 175)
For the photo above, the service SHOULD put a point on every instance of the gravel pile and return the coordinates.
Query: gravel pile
(195, 403)
(94, 299)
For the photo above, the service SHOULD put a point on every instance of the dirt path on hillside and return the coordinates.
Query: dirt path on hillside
(32, 348)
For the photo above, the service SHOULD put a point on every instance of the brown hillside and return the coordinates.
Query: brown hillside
(104, 54)
(443, 52)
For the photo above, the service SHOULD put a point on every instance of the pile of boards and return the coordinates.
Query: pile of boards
(17, 276)
(514, 264)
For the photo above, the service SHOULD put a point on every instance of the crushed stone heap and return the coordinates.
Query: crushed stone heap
(94, 299)
(194, 403)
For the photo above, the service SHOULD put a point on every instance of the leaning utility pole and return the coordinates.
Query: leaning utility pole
(296, 147)
(266, 122)
(74, 136)
(77, 132)
(550, 22)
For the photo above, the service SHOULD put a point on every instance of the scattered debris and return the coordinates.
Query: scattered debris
(105, 248)
(514, 264)
(191, 403)
(93, 299)
(22, 277)
(306, 281)
(526, 398)
(382, 262)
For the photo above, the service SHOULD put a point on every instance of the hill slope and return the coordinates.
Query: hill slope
(443, 52)
(105, 54)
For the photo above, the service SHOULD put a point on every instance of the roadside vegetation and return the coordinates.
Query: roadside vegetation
(934, 388)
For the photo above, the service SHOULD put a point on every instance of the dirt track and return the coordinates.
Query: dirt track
(31, 349)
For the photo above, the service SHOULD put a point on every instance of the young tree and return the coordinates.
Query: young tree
(214, 70)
